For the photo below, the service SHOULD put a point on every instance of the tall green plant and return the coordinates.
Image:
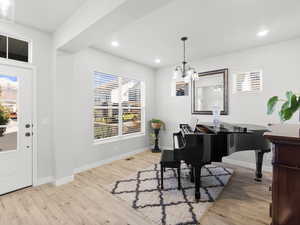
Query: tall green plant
(290, 105)
(4, 115)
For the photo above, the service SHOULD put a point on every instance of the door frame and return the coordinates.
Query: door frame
(31, 67)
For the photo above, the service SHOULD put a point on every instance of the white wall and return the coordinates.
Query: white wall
(281, 72)
(42, 47)
(64, 154)
(74, 141)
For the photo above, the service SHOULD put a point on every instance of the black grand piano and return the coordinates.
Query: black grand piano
(206, 143)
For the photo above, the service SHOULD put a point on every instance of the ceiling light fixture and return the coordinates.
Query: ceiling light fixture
(262, 33)
(115, 44)
(157, 61)
(7, 10)
(184, 70)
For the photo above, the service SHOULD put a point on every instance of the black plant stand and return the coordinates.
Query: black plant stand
(156, 147)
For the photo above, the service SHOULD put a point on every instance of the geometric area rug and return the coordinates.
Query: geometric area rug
(171, 206)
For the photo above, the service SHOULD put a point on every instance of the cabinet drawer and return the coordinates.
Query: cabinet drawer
(287, 155)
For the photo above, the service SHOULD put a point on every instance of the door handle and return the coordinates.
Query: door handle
(27, 134)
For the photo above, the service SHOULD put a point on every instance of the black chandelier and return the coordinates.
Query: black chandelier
(184, 70)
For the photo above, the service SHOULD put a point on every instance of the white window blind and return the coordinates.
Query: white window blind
(131, 106)
(118, 106)
(248, 82)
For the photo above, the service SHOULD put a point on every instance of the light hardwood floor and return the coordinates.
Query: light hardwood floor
(86, 202)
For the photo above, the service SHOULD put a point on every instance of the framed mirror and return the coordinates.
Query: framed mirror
(210, 90)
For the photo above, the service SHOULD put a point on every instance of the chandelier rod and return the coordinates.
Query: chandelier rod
(184, 59)
(184, 56)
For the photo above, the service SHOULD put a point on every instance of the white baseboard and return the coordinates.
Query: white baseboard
(246, 164)
(63, 180)
(44, 180)
(109, 160)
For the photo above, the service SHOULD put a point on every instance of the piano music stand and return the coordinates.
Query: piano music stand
(156, 147)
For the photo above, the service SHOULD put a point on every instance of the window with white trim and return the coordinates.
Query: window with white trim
(248, 82)
(119, 106)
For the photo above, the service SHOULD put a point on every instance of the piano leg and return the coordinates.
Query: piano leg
(259, 156)
(192, 174)
(197, 182)
(178, 177)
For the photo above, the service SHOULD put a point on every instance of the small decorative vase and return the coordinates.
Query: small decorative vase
(216, 116)
(156, 125)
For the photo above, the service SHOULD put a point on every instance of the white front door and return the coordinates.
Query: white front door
(15, 128)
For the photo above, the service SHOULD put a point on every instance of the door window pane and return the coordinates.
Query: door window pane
(17, 50)
(3, 46)
(8, 113)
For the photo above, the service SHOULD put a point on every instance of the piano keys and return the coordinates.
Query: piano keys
(206, 144)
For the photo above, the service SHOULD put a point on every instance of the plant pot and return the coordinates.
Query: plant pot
(2, 131)
(156, 125)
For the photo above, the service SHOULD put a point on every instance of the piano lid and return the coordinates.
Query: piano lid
(234, 128)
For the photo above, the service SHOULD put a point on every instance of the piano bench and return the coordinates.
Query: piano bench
(167, 161)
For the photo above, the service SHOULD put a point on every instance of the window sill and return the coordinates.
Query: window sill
(16, 62)
(118, 138)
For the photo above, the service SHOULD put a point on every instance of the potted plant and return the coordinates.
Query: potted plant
(157, 124)
(4, 119)
(289, 107)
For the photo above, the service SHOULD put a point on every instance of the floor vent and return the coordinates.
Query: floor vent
(130, 158)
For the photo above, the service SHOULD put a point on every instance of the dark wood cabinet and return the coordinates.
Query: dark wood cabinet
(285, 207)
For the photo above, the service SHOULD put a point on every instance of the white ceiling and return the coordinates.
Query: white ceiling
(213, 26)
(45, 15)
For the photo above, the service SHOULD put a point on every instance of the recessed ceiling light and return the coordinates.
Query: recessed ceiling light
(115, 43)
(262, 33)
(7, 9)
(157, 61)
